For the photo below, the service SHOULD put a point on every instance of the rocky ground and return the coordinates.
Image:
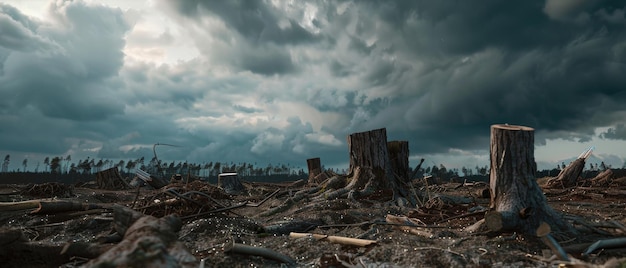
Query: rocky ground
(213, 221)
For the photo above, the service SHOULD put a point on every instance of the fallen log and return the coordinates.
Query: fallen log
(51, 207)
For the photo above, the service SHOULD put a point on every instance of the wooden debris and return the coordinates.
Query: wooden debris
(336, 239)
(148, 242)
(236, 248)
(52, 207)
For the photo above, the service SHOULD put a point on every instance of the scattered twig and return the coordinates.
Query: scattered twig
(336, 239)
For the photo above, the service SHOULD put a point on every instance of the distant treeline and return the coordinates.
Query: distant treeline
(62, 169)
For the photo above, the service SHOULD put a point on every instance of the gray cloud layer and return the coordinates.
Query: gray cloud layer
(279, 81)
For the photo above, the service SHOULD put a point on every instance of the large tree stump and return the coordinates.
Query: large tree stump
(371, 168)
(315, 167)
(369, 150)
(399, 159)
(517, 202)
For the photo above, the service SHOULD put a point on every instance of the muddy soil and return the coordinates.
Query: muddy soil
(443, 241)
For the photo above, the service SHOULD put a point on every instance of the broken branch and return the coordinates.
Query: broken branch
(336, 239)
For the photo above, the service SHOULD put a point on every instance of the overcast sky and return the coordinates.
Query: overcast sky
(283, 81)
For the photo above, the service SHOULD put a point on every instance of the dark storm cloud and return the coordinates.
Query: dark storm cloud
(457, 65)
(259, 34)
(257, 21)
(272, 60)
(67, 78)
(615, 133)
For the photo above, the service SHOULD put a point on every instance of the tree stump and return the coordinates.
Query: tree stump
(517, 202)
(369, 150)
(110, 179)
(230, 183)
(568, 176)
(399, 159)
(315, 167)
(370, 165)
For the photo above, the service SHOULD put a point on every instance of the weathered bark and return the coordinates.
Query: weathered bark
(368, 150)
(569, 175)
(230, 183)
(517, 202)
(371, 168)
(399, 159)
(315, 167)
